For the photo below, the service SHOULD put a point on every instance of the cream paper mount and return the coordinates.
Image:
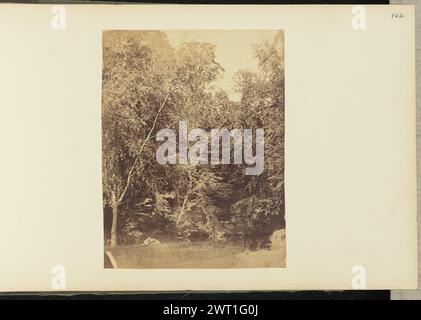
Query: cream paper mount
(108, 179)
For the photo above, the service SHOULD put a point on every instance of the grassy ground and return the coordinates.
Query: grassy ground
(196, 255)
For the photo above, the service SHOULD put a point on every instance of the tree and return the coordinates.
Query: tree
(147, 86)
(134, 97)
(261, 208)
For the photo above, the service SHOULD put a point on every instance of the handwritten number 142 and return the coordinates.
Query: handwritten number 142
(397, 15)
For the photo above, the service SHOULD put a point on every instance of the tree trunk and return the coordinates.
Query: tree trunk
(114, 224)
(182, 209)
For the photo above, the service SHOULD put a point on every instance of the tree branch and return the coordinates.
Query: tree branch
(136, 160)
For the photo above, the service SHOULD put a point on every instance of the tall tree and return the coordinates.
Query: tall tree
(136, 89)
(147, 86)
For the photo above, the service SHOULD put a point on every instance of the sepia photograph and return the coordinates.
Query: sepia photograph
(193, 149)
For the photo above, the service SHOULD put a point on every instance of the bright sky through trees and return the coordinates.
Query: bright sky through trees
(233, 50)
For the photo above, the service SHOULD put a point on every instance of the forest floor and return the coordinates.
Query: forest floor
(196, 255)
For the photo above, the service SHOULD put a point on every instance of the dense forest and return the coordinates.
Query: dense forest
(148, 84)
